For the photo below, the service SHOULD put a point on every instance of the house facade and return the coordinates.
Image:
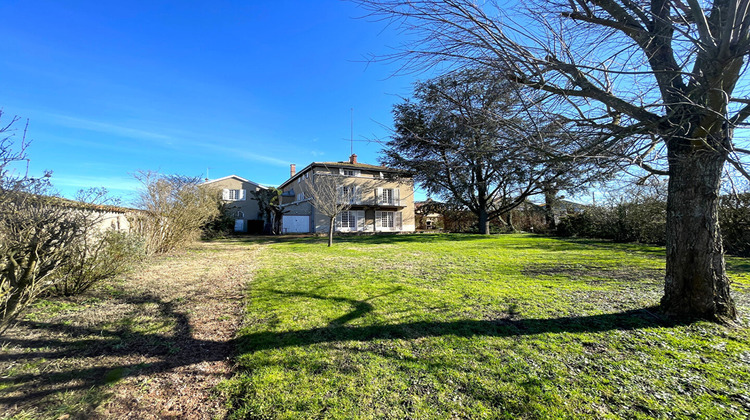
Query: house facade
(240, 204)
(381, 198)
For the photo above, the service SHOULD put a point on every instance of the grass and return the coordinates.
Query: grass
(459, 326)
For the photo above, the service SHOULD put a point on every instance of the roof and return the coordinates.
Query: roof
(66, 202)
(235, 177)
(347, 165)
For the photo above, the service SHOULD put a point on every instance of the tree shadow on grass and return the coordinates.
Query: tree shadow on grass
(148, 353)
(70, 357)
(338, 331)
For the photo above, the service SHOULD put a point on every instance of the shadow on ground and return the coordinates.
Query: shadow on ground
(70, 357)
(338, 331)
(167, 351)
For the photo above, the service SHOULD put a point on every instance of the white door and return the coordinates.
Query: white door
(296, 224)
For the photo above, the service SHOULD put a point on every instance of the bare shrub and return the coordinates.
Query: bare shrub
(42, 237)
(176, 209)
(95, 258)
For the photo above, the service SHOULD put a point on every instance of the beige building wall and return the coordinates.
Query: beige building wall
(112, 220)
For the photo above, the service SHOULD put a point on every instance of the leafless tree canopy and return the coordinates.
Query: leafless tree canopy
(326, 194)
(648, 71)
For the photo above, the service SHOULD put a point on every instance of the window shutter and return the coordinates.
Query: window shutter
(397, 220)
(378, 221)
(360, 220)
(379, 195)
(338, 221)
(396, 196)
(225, 194)
(242, 195)
(355, 194)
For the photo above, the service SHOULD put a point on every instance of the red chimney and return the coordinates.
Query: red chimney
(353, 158)
(292, 170)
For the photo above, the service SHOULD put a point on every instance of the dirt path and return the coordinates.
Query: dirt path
(152, 346)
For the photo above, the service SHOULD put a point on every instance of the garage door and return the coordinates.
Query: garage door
(296, 224)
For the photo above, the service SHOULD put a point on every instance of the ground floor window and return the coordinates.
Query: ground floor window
(349, 219)
(386, 219)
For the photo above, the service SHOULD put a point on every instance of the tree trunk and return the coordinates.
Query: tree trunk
(510, 222)
(484, 222)
(330, 230)
(549, 215)
(696, 284)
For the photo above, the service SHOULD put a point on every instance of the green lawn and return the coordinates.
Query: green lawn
(460, 326)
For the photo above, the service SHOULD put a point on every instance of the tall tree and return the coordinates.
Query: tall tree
(662, 77)
(466, 138)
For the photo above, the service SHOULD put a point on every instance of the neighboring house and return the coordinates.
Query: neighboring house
(427, 215)
(562, 208)
(382, 199)
(240, 204)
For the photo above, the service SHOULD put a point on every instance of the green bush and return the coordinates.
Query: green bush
(734, 219)
(97, 258)
(636, 221)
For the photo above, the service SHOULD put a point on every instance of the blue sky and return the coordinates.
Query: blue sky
(240, 87)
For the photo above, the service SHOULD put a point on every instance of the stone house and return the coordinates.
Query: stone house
(382, 199)
(240, 204)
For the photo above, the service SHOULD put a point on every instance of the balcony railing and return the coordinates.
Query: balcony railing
(359, 201)
(394, 202)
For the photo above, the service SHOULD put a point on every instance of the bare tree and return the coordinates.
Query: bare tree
(661, 81)
(327, 194)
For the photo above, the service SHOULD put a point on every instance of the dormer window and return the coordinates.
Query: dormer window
(348, 172)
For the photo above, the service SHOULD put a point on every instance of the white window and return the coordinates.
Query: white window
(300, 196)
(388, 196)
(233, 195)
(349, 194)
(239, 215)
(349, 219)
(386, 219)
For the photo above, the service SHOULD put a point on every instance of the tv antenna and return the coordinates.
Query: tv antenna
(351, 134)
